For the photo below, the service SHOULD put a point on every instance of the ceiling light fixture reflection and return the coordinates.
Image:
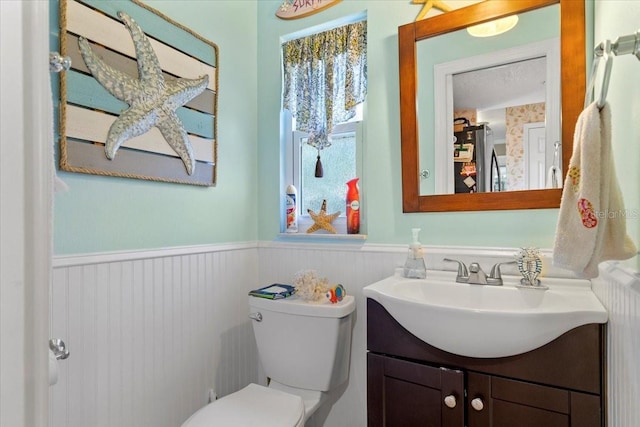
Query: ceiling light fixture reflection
(493, 28)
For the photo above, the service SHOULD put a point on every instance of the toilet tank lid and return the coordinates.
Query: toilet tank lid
(297, 306)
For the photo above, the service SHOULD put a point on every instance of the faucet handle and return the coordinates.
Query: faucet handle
(462, 268)
(474, 267)
(496, 273)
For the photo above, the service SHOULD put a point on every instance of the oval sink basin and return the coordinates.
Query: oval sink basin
(486, 321)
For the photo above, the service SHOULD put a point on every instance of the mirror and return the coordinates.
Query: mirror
(572, 87)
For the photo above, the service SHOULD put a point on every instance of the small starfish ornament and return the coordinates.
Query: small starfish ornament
(321, 220)
(152, 100)
(285, 5)
(428, 4)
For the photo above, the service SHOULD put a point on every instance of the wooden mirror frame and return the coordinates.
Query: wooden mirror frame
(573, 85)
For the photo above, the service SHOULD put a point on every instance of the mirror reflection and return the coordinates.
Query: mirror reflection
(502, 137)
(497, 100)
(499, 140)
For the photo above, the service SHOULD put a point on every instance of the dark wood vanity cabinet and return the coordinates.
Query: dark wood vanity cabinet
(510, 403)
(410, 383)
(411, 394)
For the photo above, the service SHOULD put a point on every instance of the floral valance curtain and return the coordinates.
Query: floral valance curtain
(325, 77)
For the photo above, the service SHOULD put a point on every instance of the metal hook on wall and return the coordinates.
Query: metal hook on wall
(604, 52)
(58, 62)
(629, 44)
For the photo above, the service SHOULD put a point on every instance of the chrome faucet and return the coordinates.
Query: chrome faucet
(474, 275)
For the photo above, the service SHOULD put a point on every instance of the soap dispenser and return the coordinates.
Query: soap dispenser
(414, 266)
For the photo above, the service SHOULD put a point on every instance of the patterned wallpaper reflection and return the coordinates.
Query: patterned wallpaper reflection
(516, 118)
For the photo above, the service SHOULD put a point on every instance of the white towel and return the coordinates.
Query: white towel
(592, 219)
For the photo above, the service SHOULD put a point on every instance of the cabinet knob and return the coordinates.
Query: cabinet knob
(477, 404)
(450, 401)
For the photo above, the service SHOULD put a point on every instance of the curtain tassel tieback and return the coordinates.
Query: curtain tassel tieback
(319, 170)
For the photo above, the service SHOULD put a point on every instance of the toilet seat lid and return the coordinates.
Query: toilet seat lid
(253, 406)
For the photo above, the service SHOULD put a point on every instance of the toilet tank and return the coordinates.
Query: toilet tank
(302, 344)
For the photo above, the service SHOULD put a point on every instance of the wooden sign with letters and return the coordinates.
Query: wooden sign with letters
(294, 9)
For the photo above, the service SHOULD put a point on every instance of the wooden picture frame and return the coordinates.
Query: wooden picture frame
(87, 109)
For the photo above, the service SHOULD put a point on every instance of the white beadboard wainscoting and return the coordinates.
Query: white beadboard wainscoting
(619, 291)
(355, 267)
(151, 332)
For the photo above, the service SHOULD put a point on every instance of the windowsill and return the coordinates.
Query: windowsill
(305, 221)
(302, 236)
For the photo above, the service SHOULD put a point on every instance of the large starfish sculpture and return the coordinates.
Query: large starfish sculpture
(428, 5)
(152, 100)
(321, 220)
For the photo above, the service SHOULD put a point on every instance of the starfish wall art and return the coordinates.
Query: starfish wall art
(152, 101)
(157, 86)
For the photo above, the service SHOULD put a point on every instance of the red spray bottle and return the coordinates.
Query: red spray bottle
(353, 207)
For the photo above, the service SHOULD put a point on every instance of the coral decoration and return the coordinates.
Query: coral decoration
(321, 220)
(309, 286)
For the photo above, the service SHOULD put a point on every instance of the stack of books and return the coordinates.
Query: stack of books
(275, 291)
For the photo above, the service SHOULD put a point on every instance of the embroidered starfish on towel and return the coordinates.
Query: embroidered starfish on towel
(152, 100)
(321, 220)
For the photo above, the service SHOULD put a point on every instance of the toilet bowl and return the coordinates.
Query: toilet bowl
(305, 350)
(254, 405)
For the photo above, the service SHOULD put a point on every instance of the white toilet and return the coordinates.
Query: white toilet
(304, 349)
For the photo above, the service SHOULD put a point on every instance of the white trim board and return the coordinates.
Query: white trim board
(136, 254)
(434, 255)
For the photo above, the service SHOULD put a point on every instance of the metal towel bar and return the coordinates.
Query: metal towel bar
(604, 52)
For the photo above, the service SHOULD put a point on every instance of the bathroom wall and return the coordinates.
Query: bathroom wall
(150, 279)
(615, 18)
(619, 291)
(150, 333)
(619, 284)
(101, 214)
(381, 181)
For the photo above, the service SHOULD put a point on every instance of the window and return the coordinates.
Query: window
(340, 164)
(322, 113)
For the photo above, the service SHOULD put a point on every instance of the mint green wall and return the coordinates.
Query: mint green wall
(381, 181)
(615, 18)
(101, 214)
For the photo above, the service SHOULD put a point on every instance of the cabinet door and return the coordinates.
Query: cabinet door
(501, 402)
(407, 394)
